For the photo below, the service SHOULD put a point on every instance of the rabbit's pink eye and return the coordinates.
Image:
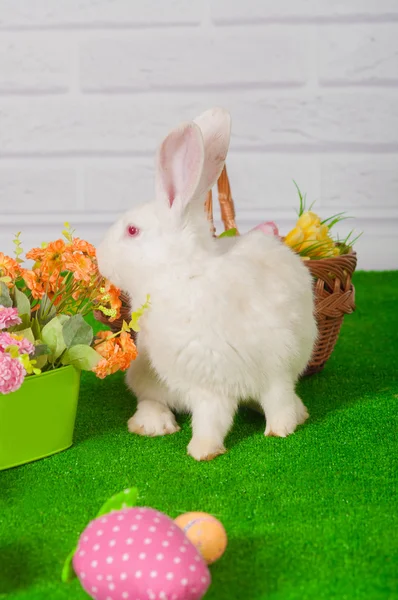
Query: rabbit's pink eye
(133, 231)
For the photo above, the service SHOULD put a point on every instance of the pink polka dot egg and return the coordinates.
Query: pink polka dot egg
(139, 554)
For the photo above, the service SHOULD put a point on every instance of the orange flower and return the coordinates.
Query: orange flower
(52, 262)
(35, 282)
(80, 265)
(78, 288)
(54, 252)
(114, 296)
(128, 347)
(117, 352)
(9, 267)
(79, 245)
(55, 249)
(48, 262)
(109, 301)
(36, 254)
(114, 301)
(105, 368)
(104, 346)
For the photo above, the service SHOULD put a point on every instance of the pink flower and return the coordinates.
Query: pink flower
(12, 373)
(269, 228)
(13, 339)
(8, 317)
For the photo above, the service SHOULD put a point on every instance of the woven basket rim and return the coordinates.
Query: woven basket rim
(350, 257)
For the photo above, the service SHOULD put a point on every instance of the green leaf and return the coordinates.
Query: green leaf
(351, 242)
(136, 315)
(63, 318)
(125, 327)
(336, 218)
(315, 246)
(28, 334)
(68, 572)
(41, 361)
(21, 302)
(18, 248)
(25, 324)
(229, 233)
(46, 311)
(82, 357)
(36, 328)
(41, 349)
(52, 336)
(68, 232)
(13, 351)
(125, 499)
(29, 365)
(302, 200)
(5, 298)
(77, 332)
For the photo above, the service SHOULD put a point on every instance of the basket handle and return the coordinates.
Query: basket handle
(226, 203)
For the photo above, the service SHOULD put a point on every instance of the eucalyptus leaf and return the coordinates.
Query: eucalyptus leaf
(77, 332)
(46, 311)
(41, 361)
(52, 336)
(28, 334)
(25, 324)
(82, 357)
(21, 302)
(41, 349)
(5, 298)
(63, 318)
(125, 499)
(36, 328)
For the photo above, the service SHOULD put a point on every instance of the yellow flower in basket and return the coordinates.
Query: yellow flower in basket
(309, 220)
(295, 237)
(311, 237)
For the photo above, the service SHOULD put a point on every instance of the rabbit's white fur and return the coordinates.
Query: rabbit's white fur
(230, 319)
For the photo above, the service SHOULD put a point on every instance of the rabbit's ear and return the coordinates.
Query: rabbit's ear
(180, 163)
(215, 125)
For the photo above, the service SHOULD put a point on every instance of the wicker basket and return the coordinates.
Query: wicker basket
(334, 291)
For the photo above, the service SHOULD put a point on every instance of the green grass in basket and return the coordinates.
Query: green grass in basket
(312, 516)
(345, 245)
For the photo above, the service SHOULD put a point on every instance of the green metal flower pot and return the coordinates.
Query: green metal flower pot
(38, 420)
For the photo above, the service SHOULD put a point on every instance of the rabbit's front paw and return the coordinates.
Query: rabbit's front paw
(285, 421)
(204, 449)
(152, 419)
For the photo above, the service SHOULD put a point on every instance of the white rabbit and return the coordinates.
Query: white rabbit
(229, 320)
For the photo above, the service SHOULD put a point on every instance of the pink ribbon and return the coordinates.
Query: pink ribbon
(268, 227)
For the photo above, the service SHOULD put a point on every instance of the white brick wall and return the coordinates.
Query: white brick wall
(89, 87)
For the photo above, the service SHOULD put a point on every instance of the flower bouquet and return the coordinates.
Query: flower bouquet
(46, 341)
(42, 310)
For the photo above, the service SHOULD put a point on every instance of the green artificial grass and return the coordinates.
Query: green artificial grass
(313, 516)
